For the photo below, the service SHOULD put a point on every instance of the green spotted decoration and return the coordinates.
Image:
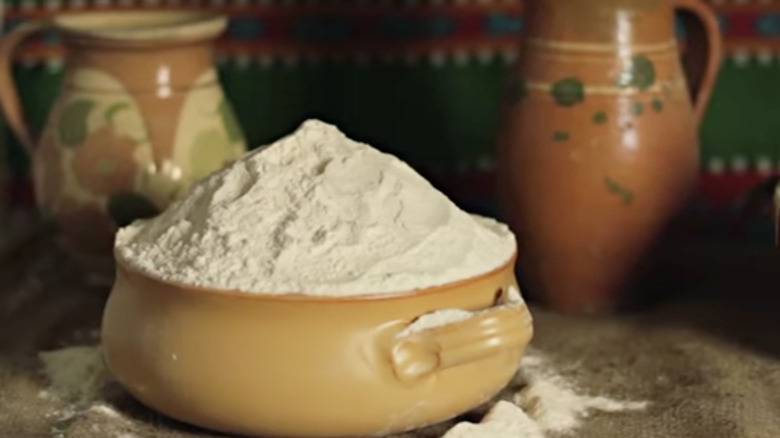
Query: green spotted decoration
(657, 104)
(72, 127)
(626, 195)
(211, 149)
(229, 121)
(640, 73)
(568, 91)
(560, 136)
(114, 109)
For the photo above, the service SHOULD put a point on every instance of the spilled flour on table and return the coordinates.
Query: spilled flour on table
(539, 403)
(75, 373)
(555, 403)
(77, 376)
(546, 405)
(505, 419)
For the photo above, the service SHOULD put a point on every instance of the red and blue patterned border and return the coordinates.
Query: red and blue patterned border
(306, 28)
(359, 27)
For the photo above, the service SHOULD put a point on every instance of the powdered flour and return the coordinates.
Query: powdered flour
(320, 214)
(555, 403)
(548, 405)
(75, 373)
(504, 420)
(442, 317)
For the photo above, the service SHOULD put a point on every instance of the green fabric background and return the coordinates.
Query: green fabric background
(432, 115)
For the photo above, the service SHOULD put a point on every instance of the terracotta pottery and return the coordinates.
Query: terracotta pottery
(141, 115)
(598, 147)
(306, 366)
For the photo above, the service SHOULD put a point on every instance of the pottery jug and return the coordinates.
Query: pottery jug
(141, 115)
(598, 147)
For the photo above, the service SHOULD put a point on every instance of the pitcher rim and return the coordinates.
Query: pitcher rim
(140, 27)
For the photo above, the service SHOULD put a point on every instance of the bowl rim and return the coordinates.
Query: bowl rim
(122, 265)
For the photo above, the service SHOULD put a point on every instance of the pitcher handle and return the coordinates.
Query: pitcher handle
(704, 57)
(489, 332)
(776, 216)
(9, 96)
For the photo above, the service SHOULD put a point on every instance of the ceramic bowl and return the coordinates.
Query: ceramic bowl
(305, 366)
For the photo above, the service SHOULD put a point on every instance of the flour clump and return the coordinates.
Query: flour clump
(315, 213)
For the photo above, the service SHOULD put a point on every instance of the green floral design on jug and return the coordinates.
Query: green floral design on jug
(73, 128)
(211, 149)
(626, 195)
(560, 136)
(600, 118)
(640, 74)
(113, 110)
(215, 146)
(568, 91)
(229, 121)
(658, 105)
(638, 108)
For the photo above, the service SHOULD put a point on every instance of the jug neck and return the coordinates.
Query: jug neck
(138, 29)
(139, 51)
(603, 22)
(166, 69)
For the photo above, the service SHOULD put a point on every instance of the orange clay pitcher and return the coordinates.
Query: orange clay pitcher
(598, 147)
(140, 117)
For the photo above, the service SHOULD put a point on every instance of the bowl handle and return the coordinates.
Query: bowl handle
(489, 332)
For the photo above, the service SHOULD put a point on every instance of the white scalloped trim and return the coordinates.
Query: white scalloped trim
(437, 58)
(716, 166)
(764, 165)
(741, 57)
(739, 164)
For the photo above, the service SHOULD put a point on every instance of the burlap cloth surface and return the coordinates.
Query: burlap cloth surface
(706, 357)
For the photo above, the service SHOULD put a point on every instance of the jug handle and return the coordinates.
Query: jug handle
(704, 58)
(774, 188)
(503, 328)
(9, 96)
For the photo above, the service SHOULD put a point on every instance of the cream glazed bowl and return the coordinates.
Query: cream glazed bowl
(310, 366)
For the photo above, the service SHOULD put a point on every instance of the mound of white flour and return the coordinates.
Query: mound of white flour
(319, 214)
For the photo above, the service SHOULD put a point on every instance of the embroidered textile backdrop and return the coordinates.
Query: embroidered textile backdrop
(421, 79)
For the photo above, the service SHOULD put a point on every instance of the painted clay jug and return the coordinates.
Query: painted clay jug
(140, 117)
(598, 147)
